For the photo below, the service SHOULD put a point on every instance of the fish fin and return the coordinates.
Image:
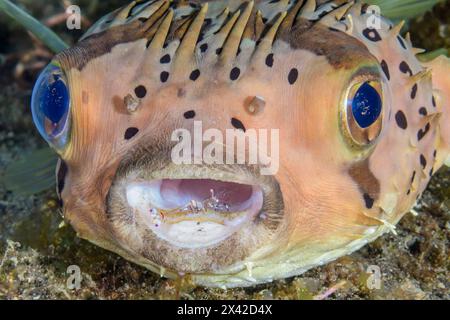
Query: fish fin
(32, 174)
(440, 69)
(403, 9)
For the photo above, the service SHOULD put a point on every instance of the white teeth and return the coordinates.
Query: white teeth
(141, 194)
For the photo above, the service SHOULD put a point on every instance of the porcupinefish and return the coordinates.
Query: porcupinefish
(362, 123)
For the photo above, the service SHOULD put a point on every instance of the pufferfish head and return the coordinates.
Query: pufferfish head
(355, 119)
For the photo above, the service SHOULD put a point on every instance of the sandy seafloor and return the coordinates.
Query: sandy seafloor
(35, 249)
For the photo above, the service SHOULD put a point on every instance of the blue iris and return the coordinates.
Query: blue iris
(50, 105)
(366, 105)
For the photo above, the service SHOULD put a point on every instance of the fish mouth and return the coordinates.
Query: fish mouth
(194, 213)
(192, 218)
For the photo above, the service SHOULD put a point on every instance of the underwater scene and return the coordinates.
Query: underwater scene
(224, 150)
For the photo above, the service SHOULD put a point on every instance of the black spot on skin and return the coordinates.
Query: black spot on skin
(402, 42)
(423, 161)
(385, 68)
(413, 176)
(218, 51)
(200, 37)
(130, 133)
(400, 118)
(323, 14)
(414, 91)
(194, 75)
(404, 68)
(423, 111)
(264, 20)
(408, 192)
(208, 21)
(269, 60)
(164, 76)
(204, 47)
(189, 114)
(423, 132)
(165, 58)
(431, 172)
(61, 176)
(433, 101)
(235, 73)
(293, 75)
(434, 153)
(368, 200)
(237, 124)
(140, 92)
(371, 34)
(334, 29)
(239, 51)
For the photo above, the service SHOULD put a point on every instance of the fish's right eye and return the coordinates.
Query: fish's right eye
(50, 106)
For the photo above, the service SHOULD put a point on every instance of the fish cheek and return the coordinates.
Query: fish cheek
(367, 183)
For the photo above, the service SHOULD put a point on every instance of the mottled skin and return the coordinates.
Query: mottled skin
(330, 196)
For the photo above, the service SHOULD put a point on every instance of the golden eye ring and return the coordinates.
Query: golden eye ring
(362, 112)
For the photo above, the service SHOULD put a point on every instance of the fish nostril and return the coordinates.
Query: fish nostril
(189, 114)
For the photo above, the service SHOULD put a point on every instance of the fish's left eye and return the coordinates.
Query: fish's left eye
(50, 106)
(363, 112)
